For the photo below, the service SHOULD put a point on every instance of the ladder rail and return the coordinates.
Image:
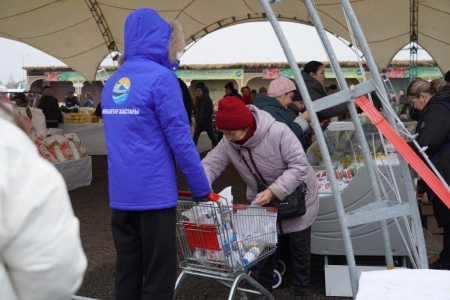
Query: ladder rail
(373, 68)
(347, 220)
(319, 137)
(360, 134)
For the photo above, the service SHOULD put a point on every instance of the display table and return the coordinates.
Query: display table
(204, 143)
(92, 135)
(77, 173)
(404, 284)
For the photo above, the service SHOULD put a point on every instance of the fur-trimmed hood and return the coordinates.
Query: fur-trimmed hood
(149, 36)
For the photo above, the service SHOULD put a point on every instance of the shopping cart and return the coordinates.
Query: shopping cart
(222, 241)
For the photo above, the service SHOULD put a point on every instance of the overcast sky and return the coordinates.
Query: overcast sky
(251, 42)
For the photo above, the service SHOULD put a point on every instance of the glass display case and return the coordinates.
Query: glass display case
(356, 191)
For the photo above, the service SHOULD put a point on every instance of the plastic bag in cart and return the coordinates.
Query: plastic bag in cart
(256, 226)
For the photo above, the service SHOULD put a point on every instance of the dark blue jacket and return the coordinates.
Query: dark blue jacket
(274, 108)
(146, 126)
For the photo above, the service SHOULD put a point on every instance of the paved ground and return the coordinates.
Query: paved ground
(91, 207)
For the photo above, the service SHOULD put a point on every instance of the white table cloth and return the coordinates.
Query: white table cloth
(77, 172)
(92, 135)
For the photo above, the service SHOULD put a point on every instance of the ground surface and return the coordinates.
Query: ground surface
(91, 207)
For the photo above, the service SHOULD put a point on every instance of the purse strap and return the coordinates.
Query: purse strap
(260, 178)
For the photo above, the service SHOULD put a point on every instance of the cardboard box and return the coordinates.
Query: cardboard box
(430, 223)
(426, 209)
(432, 259)
(424, 199)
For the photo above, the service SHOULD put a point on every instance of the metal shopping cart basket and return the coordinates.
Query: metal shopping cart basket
(222, 241)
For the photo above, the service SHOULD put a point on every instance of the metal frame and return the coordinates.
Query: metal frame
(375, 211)
(413, 38)
(97, 13)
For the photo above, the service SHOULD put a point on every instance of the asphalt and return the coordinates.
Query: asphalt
(91, 206)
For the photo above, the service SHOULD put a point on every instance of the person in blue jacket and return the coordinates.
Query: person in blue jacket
(281, 92)
(147, 132)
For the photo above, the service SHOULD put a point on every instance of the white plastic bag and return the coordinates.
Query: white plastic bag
(38, 120)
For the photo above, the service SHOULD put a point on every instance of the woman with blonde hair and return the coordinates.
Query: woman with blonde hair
(433, 102)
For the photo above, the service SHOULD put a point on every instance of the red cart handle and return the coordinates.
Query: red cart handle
(211, 196)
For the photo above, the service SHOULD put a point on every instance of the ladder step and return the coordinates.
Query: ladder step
(378, 211)
(344, 95)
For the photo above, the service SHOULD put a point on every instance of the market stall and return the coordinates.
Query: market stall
(65, 151)
(77, 173)
(356, 191)
(91, 134)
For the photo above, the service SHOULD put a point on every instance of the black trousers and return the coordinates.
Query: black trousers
(444, 256)
(209, 130)
(146, 264)
(300, 244)
(442, 215)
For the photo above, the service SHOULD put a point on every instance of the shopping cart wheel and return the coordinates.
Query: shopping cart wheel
(281, 267)
(276, 279)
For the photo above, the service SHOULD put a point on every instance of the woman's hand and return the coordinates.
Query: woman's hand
(305, 116)
(264, 198)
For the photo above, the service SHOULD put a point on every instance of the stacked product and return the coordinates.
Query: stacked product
(59, 148)
(343, 176)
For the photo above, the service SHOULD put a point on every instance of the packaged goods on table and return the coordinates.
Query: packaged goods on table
(58, 146)
(79, 117)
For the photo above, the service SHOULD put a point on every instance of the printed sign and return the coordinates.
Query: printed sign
(213, 74)
(70, 76)
(422, 72)
(276, 72)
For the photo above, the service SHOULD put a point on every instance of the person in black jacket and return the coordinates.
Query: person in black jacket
(314, 76)
(297, 108)
(231, 91)
(50, 107)
(434, 132)
(187, 100)
(203, 112)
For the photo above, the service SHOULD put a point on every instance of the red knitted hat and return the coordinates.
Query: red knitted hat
(232, 114)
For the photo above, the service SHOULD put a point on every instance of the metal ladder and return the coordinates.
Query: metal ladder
(388, 85)
(379, 211)
(103, 75)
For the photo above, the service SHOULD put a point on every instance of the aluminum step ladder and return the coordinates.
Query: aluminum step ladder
(103, 75)
(388, 86)
(378, 211)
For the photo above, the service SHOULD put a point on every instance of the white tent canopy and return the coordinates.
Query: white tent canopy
(67, 29)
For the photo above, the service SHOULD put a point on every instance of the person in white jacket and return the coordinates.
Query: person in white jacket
(41, 256)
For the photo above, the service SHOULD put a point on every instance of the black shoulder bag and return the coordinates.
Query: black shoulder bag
(292, 206)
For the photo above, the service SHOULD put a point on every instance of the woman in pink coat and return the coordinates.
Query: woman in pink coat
(254, 136)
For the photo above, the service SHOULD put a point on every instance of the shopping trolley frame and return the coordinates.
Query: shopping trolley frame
(226, 273)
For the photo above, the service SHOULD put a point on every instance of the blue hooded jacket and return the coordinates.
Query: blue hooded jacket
(146, 126)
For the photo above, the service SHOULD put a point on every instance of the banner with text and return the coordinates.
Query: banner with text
(422, 72)
(277, 72)
(213, 74)
(71, 76)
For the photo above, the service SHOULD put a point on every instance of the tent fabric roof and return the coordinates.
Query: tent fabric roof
(67, 29)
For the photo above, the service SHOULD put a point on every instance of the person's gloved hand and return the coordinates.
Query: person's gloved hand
(199, 199)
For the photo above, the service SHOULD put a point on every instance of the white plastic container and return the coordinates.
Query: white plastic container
(251, 255)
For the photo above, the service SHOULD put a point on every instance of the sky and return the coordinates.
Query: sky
(251, 42)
